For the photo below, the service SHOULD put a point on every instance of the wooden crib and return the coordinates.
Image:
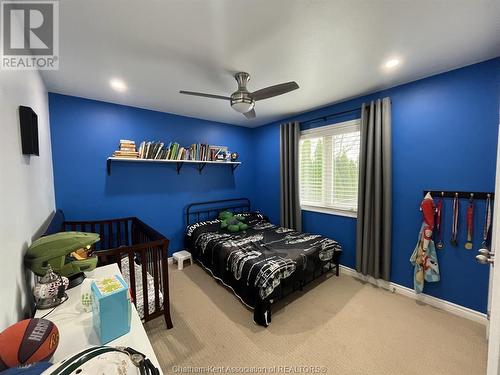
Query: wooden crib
(146, 251)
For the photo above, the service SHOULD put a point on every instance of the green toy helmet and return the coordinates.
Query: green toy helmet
(55, 250)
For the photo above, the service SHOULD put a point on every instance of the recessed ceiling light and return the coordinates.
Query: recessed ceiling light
(392, 63)
(118, 84)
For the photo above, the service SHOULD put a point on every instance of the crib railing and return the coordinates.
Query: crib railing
(132, 238)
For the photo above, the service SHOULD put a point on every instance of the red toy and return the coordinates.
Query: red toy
(428, 209)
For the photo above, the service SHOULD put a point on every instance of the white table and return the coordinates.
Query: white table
(75, 326)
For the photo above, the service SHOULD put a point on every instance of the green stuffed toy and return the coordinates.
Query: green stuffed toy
(233, 223)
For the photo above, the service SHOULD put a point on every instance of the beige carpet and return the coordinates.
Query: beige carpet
(340, 324)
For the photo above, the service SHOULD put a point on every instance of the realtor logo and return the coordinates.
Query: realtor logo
(29, 35)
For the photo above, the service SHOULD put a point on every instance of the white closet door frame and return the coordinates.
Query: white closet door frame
(494, 292)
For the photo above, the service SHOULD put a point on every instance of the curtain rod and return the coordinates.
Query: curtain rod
(326, 117)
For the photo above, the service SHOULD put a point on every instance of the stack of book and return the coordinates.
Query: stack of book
(174, 151)
(126, 149)
(152, 150)
(204, 152)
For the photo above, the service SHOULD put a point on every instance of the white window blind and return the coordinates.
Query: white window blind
(329, 166)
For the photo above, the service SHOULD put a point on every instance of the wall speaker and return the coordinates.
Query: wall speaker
(29, 130)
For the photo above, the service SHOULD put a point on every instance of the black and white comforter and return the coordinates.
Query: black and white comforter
(255, 262)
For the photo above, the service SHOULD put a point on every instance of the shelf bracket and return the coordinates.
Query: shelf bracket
(200, 167)
(179, 166)
(233, 167)
(108, 166)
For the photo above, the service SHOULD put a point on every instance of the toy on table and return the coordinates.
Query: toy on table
(231, 222)
(56, 250)
(51, 290)
(86, 295)
(28, 341)
(111, 310)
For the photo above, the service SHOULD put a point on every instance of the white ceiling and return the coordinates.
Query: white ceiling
(333, 49)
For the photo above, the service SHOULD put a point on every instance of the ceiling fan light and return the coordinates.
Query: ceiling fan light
(243, 107)
(243, 101)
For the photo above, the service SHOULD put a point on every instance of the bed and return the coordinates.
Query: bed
(261, 264)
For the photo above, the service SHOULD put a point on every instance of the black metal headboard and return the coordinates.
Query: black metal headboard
(210, 210)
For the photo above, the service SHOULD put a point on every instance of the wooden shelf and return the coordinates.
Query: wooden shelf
(179, 163)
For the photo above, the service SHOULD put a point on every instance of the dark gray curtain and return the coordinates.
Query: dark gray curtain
(289, 172)
(373, 234)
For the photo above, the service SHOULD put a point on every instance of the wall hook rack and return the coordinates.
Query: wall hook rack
(460, 194)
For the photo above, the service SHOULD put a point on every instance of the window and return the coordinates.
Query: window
(329, 168)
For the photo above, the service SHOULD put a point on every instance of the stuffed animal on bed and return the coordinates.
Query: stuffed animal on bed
(233, 223)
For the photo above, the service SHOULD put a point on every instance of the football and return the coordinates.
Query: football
(28, 341)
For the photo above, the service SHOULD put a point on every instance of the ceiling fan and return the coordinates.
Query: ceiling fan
(242, 100)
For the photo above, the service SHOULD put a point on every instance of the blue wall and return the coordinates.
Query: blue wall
(444, 137)
(85, 132)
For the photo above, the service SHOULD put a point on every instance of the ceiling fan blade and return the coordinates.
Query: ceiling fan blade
(275, 90)
(204, 95)
(250, 114)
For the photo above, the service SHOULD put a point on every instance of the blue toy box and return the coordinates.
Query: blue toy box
(111, 308)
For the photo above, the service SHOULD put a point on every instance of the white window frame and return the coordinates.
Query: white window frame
(329, 130)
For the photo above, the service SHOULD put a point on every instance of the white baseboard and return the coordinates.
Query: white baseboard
(450, 307)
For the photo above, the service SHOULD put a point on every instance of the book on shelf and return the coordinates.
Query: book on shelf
(125, 154)
(157, 150)
(141, 149)
(127, 142)
(126, 149)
